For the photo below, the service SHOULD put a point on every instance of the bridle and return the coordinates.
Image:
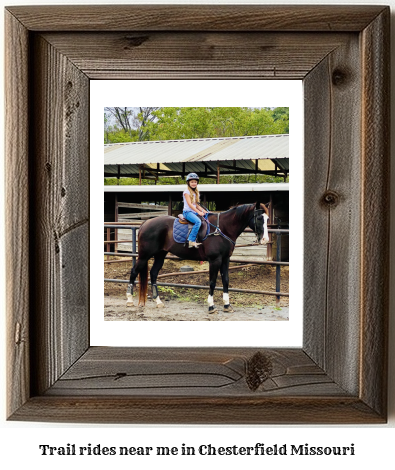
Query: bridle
(256, 214)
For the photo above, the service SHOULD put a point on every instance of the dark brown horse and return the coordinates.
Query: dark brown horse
(156, 240)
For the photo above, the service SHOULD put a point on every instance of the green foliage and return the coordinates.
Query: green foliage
(167, 290)
(233, 179)
(198, 122)
(282, 114)
(115, 136)
(194, 123)
(145, 182)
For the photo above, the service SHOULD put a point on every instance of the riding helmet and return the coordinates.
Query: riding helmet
(192, 176)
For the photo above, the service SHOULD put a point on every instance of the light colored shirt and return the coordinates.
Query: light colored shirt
(186, 205)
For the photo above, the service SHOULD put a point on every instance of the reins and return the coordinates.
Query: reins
(218, 231)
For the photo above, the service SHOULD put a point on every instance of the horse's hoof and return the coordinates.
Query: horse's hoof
(160, 305)
(129, 304)
(212, 309)
(228, 308)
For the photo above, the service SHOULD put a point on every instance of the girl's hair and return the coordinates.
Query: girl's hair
(194, 193)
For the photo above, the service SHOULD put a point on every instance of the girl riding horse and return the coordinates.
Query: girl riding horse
(191, 211)
(156, 240)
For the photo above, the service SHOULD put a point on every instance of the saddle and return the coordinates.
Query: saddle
(183, 220)
(182, 228)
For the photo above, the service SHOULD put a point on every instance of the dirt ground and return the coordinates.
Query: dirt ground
(185, 304)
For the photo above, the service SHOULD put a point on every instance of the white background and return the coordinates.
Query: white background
(205, 93)
(19, 441)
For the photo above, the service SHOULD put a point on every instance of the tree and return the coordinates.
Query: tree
(154, 123)
(144, 117)
(106, 129)
(123, 117)
(195, 123)
(282, 114)
(130, 122)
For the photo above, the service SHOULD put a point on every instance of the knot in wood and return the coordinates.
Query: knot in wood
(259, 369)
(330, 198)
(18, 335)
(135, 41)
(339, 77)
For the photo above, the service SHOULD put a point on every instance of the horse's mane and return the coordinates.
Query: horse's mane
(239, 208)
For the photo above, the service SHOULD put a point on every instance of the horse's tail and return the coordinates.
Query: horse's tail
(143, 283)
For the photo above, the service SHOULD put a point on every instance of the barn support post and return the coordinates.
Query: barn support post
(108, 237)
(157, 172)
(169, 208)
(278, 268)
(270, 244)
(116, 220)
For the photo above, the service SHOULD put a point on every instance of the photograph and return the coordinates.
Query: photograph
(196, 202)
(197, 215)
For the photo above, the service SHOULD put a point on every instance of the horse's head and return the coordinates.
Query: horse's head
(258, 222)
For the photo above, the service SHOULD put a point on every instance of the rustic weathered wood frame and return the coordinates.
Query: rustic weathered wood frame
(340, 374)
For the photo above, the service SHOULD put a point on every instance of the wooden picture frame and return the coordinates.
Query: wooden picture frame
(340, 373)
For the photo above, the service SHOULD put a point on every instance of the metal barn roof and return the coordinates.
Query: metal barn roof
(200, 155)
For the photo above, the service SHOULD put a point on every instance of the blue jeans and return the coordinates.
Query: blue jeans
(194, 219)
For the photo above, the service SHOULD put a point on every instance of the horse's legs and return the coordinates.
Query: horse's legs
(224, 269)
(140, 265)
(214, 268)
(157, 266)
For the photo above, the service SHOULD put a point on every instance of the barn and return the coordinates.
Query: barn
(209, 158)
(212, 157)
(137, 203)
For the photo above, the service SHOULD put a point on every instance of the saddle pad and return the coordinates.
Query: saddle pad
(180, 232)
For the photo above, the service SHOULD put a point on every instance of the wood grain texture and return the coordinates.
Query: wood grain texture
(60, 213)
(17, 213)
(376, 201)
(196, 17)
(339, 375)
(317, 150)
(123, 385)
(194, 372)
(198, 410)
(332, 214)
(200, 55)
